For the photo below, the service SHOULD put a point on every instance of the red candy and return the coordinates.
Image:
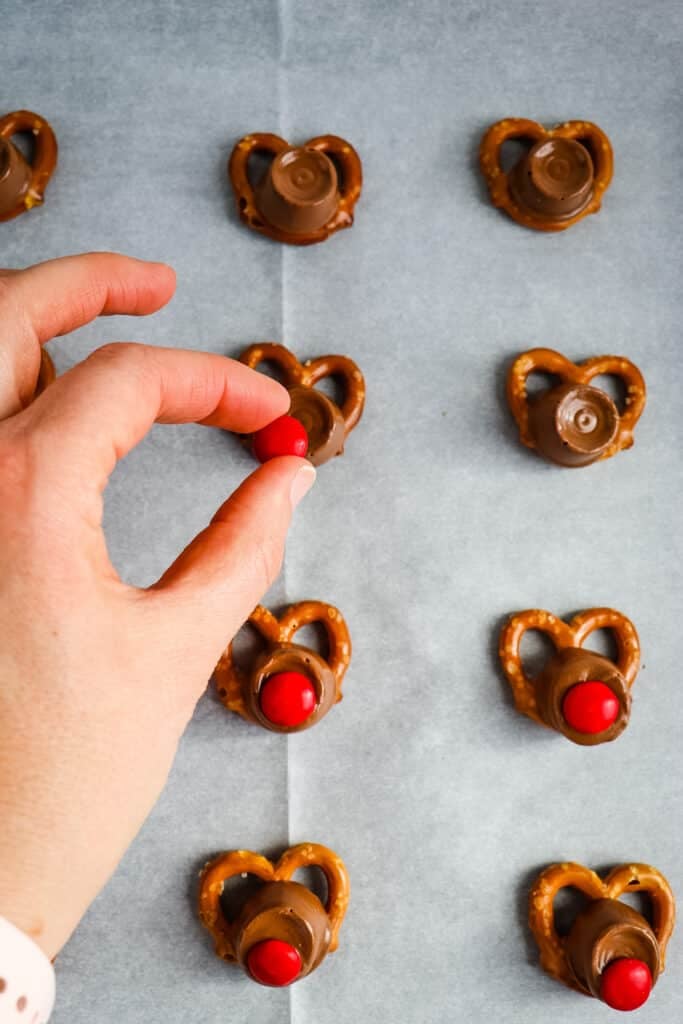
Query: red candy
(288, 698)
(626, 984)
(590, 707)
(284, 436)
(273, 962)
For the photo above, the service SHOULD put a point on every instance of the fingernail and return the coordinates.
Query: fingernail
(301, 484)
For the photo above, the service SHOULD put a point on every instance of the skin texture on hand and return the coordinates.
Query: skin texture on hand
(97, 678)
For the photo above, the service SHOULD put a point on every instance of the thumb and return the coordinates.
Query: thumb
(214, 585)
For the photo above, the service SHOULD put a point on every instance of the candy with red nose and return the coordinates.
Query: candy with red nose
(274, 962)
(626, 984)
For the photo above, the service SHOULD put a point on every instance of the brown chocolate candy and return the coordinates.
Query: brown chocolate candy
(607, 930)
(281, 912)
(573, 423)
(241, 690)
(558, 181)
(543, 698)
(301, 198)
(327, 424)
(22, 185)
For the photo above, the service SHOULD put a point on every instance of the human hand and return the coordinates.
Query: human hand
(97, 678)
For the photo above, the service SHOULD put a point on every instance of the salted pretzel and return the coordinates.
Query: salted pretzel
(574, 423)
(559, 182)
(541, 698)
(301, 199)
(327, 424)
(579, 958)
(22, 186)
(242, 691)
(282, 911)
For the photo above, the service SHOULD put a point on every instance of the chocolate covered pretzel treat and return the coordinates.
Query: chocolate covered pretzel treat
(611, 952)
(558, 181)
(283, 932)
(574, 423)
(579, 693)
(288, 687)
(307, 193)
(316, 427)
(23, 184)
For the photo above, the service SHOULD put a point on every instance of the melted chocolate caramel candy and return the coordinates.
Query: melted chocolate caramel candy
(565, 672)
(606, 931)
(282, 928)
(322, 420)
(15, 177)
(554, 179)
(290, 658)
(573, 424)
(299, 191)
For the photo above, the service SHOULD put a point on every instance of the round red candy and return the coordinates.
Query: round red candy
(626, 984)
(288, 698)
(273, 962)
(590, 707)
(284, 436)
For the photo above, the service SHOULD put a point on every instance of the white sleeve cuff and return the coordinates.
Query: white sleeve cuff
(27, 978)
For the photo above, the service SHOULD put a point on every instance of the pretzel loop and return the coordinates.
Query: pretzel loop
(623, 878)
(546, 360)
(352, 170)
(490, 150)
(238, 862)
(623, 630)
(45, 156)
(510, 653)
(305, 613)
(598, 145)
(238, 169)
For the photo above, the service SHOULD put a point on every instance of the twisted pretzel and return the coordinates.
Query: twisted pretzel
(45, 159)
(563, 634)
(546, 360)
(585, 132)
(307, 375)
(272, 145)
(623, 878)
(230, 678)
(241, 862)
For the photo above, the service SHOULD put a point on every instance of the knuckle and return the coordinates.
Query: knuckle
(267, 560)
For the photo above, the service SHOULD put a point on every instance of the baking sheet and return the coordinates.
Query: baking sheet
(436, 523)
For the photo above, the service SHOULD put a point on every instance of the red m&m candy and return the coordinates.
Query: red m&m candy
(590, 707)
(274, 962)
(626, 984)
(284, 436)
(288, 698)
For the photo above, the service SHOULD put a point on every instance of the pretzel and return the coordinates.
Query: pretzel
(563, 635)
(501, 184)
(623, 878)
(235, 686)
(29, 187)
(243, 862)
(307, 375)
(546, 360)
(316, 188)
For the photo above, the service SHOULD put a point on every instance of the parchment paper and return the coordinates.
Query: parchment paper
(436, 523)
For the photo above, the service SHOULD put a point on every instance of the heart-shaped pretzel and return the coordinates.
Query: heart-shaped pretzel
(547, 360)
(342, 153)
(585, 132)
(243, 862)
(45, 159)
(230, 678)
(307, 375)
(623, 878)
(563, 634)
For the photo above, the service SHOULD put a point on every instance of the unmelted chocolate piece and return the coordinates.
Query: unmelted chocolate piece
(22, 184)
(605, 931)
(565, 669)
(326, 423)
(573, 423)
(307, 192)
(560, 178)
(287, 912)
(239, 688)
